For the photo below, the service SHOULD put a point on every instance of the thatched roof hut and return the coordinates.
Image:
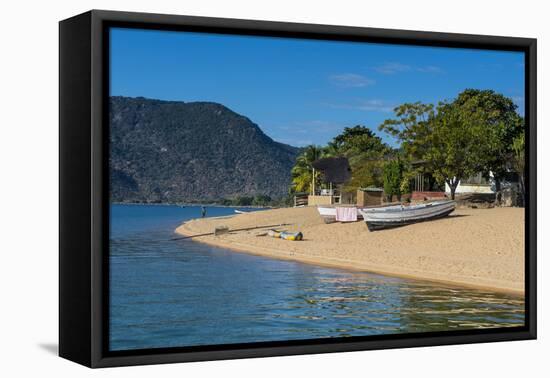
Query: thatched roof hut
(335, 170)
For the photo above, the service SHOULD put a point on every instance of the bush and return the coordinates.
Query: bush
(261, 200)
(243, 201)
(393, 177)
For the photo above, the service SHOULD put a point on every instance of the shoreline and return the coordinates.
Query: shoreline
(193, 205)
(374, 252)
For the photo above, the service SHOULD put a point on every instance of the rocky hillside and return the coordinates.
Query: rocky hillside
(168, 151)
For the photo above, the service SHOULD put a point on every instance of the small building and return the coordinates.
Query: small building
(335, 172)
(369, 196)
(476, 184)
(322, 200)
(424, 186)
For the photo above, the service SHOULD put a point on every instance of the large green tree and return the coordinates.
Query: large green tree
(452, 141)
(358, 140)
(499, 114)
(365, 151)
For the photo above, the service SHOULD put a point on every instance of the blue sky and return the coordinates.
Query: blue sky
(303, 92)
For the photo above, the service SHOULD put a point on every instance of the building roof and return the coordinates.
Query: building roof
(335, 170)
(371, 189)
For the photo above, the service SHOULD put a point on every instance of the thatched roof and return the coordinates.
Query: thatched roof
(335, 170)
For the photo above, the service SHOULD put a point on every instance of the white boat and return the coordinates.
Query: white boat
(394, 216)
(329, 214)
(241, 212)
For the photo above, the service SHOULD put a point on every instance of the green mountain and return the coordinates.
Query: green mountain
(170, 151)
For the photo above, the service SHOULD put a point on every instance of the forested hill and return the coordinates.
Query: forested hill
(168, 151)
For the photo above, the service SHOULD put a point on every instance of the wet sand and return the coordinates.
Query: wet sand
(481, 248)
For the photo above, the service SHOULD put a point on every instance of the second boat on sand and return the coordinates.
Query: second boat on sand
(329, 213)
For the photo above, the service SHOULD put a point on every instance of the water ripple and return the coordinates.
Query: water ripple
(181, 293)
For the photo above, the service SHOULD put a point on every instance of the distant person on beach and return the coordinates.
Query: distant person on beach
(203, 211)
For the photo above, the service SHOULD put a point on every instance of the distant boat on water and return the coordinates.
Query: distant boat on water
(241, 212)
(399, 215)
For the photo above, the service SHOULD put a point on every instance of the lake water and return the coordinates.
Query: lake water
(167, 293)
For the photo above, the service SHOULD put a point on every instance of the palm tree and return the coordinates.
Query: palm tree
(332, 149)
(302, 172)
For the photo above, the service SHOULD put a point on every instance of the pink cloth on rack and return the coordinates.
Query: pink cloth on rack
(346, 214)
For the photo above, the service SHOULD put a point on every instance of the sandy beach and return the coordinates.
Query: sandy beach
(481, 248)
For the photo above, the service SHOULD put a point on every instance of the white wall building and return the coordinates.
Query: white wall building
(474, 184)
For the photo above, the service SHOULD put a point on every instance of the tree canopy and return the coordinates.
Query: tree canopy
(457, 139)
(499, 114)
(363, 148)
(478, 131)
(358, 140)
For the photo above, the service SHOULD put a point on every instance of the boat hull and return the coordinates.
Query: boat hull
(396, 216)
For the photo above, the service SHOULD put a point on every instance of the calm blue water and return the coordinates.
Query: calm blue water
(182, 293)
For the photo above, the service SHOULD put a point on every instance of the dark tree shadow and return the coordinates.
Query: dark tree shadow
(51, 348)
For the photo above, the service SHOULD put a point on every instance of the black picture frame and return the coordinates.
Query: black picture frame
(84, 203)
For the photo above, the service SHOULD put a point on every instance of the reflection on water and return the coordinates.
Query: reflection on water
(182, 293)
